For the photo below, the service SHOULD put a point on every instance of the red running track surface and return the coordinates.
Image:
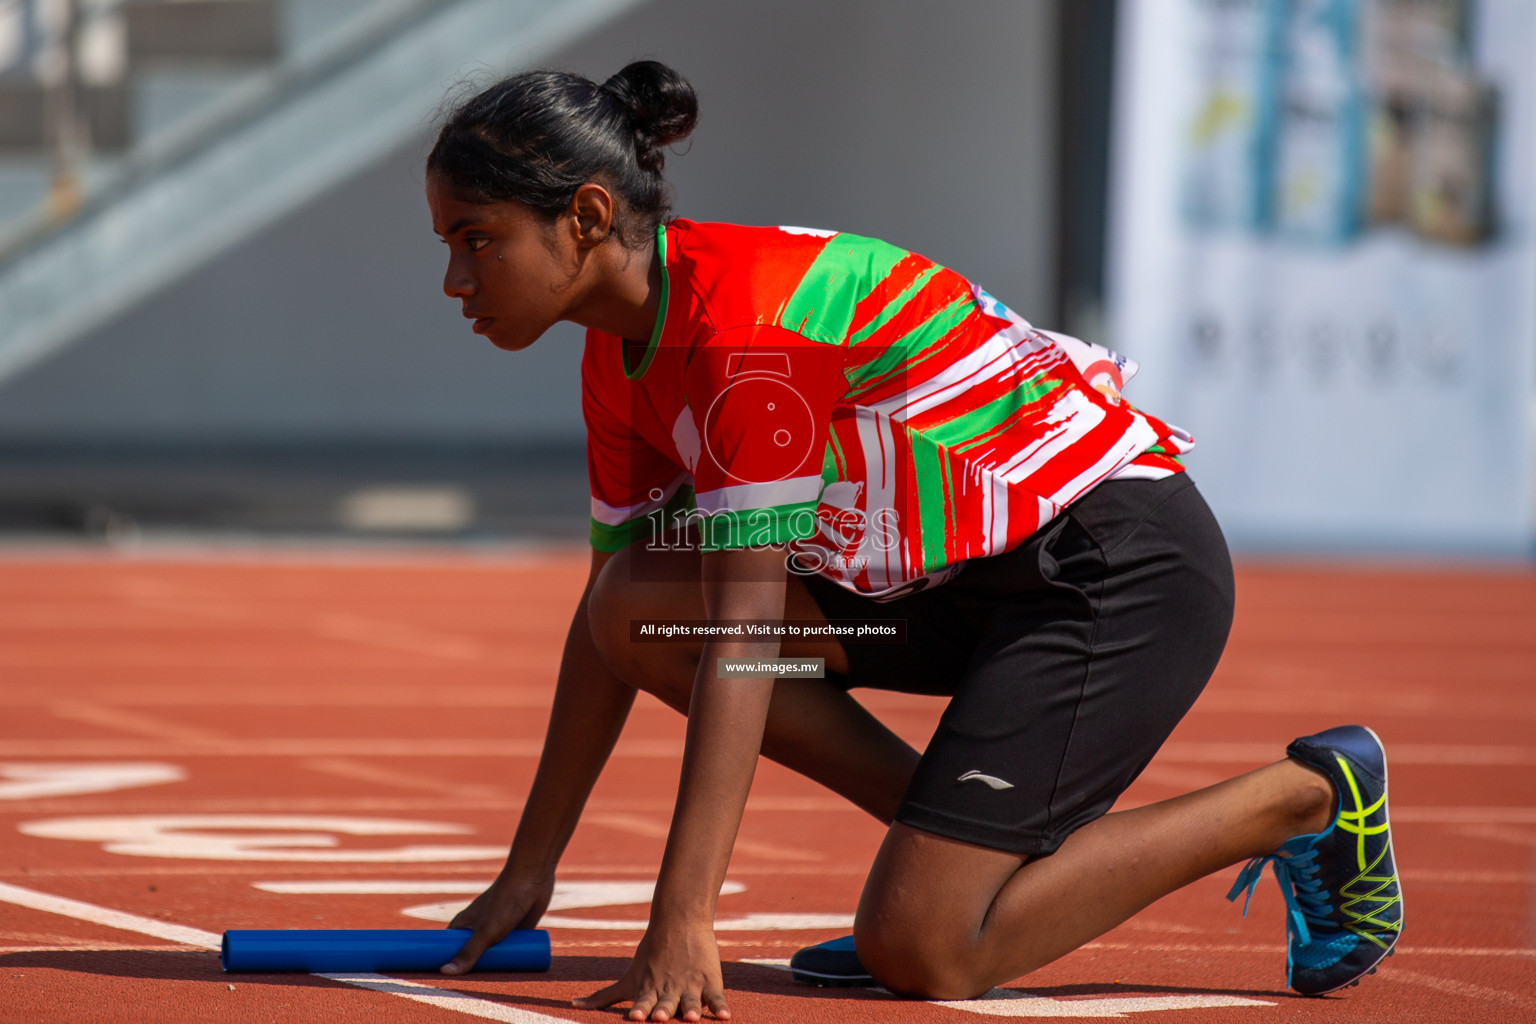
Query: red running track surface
(330, 741)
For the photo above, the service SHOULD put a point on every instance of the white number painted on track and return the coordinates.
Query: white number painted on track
(31, 780)
(261, 837)
(568, 896)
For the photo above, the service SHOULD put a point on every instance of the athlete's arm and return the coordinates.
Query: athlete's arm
(676, 969)
(591, 705)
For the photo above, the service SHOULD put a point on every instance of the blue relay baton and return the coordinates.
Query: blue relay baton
(339, 951)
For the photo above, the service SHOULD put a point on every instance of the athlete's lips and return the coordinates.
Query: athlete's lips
(481, 323)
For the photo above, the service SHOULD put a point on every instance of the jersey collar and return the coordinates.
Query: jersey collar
(661, 313)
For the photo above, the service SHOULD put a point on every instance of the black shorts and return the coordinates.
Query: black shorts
(1068, 661)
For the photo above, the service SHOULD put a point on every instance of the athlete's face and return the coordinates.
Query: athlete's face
(515, 273)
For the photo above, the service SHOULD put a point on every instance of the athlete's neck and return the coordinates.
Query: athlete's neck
(626, 297)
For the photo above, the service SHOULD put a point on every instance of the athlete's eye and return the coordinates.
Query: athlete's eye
(476, 244)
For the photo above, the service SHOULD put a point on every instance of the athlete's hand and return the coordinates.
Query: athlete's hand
(509, 903)
(675, 973)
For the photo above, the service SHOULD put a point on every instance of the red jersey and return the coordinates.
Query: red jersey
(877, 411)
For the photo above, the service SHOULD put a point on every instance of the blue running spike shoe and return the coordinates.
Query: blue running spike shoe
(831, 964)
(1344, 904)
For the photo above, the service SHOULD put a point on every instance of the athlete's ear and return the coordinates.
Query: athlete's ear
(591, 213)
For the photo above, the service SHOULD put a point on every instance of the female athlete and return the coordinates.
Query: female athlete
(804, 426)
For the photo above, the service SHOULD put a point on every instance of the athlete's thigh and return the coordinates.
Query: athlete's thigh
(1077, 682)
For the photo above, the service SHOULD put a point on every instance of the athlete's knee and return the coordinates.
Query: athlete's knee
(921, 960)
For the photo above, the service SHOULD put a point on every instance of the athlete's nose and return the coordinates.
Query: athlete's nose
(456, 283)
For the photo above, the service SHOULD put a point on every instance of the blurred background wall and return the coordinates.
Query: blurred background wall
(219, 292)
(902, 119)
(323, 337)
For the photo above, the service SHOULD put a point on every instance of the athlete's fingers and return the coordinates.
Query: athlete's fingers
(640, 1009)
(468, 954)
(666, 1005)
(714, 998)
(688, 1007)
(615, 993)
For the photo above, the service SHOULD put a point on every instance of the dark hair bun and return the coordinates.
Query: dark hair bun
(661, 105)
(538, 136)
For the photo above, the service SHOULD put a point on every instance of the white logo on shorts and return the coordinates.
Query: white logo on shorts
(991, 780)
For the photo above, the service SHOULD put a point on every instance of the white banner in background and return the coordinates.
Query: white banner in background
(1323, 254)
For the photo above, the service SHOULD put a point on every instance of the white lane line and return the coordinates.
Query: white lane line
(1135, 947)
(447, 999)
(1467, 815)
(1196, 752)
(1417, 815)
(1439, 875)
(341, 746)
(1428, 815)
(1465, 951)
(444, 998)
(1195, 947)
(1176, 753)
(1516, 835)
(380, 887)
(82, 911)
(134, 722)
(1007, 1002)
(86, 947)
(1463, 989)
(41, 780)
